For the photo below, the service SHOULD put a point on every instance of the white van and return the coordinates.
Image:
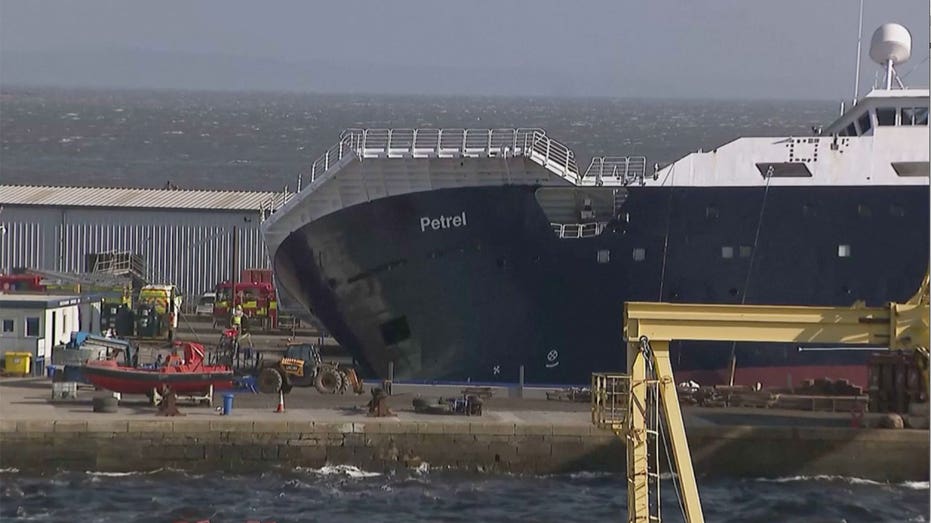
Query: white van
(205, 304)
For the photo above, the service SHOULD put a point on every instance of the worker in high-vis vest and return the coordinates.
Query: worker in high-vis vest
(237, 319)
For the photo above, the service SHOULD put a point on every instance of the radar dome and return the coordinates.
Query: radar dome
(891, 42)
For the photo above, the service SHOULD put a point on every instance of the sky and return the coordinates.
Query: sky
(723, 49)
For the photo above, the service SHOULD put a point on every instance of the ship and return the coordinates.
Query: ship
(488, 255)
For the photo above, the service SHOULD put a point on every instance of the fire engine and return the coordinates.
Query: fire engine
(257, 299)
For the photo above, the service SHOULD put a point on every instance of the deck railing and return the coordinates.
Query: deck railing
(416, 143)
(625, 169)
(438, 143)
(447, 143)
(578, 230)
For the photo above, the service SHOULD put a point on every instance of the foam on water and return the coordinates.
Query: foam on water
(339, 470)
(915, 485)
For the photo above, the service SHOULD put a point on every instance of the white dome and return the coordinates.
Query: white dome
(891, 42)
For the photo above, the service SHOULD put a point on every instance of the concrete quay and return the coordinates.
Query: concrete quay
(518, 436)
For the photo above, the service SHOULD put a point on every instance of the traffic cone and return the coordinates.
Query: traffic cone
(280, 407)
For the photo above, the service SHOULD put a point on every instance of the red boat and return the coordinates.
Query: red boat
(182, 374)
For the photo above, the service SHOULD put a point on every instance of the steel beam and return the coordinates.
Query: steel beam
(897, 325)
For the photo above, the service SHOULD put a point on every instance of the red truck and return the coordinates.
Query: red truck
(255, 293)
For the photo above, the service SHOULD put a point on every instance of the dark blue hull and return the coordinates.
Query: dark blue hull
(478, 300)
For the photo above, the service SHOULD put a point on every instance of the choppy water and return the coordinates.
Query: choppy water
(261, 140)
(337, 494)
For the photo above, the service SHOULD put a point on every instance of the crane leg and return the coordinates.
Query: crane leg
(676, 430)
(638, 489)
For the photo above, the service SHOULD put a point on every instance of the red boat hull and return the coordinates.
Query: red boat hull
(111, 376)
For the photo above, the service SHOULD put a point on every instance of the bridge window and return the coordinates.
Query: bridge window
(843, 251)
(914, 116)
(851, 130)
(7, 326)
(727, 252)
(640, 254)
(885, 116)
(863, 123)
(864, 210)
(603, 256)
(921, 116)
(784, 170)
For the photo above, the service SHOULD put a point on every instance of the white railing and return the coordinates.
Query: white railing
(275, 202)
(578, 230)
(555, 156)
(625, 169)
(328, 159)
(438, 143)
(443, 143)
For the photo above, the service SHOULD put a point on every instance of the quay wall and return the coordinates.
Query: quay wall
(130, 445)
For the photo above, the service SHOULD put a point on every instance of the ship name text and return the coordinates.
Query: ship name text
(442, 222)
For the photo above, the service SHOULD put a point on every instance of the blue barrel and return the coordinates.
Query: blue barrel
(228, 404)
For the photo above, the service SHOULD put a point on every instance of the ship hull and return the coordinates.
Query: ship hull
(401, 280)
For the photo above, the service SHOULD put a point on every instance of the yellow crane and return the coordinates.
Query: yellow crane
(629, 404)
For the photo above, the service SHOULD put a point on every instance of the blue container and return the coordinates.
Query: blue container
(228, 404)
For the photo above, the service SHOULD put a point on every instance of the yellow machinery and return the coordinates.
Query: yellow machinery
(157, 310)
(629, 404)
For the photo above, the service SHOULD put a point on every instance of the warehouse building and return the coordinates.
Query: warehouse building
(185, 237)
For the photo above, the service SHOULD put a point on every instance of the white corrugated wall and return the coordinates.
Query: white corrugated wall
(191, 249)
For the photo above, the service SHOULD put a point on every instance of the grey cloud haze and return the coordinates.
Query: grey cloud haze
(637, 48)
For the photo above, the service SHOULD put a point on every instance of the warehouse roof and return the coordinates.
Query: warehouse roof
(133, 198)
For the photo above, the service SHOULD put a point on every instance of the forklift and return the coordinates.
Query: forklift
(300, 366)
